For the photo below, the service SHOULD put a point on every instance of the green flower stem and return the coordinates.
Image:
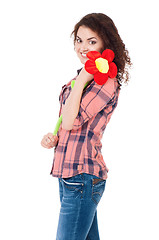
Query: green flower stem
(57, 125)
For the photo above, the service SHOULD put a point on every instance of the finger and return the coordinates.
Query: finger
(55, 139)
(52, 142)
(46, 139)
(50, 136)
(49, 143)
(51, 146)
(44, 144)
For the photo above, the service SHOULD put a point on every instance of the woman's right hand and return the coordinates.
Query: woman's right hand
(49, 141)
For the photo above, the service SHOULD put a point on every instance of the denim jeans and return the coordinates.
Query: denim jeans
(79, 197)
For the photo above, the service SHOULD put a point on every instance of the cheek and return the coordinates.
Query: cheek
(100, 49)
(77, 51)
(96, 48)
(76, 48)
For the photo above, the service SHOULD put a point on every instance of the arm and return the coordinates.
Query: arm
(96, 99)
(71, 108)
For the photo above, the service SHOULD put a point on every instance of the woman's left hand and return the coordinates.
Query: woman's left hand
(85, 76)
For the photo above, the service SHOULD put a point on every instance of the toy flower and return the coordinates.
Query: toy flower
(101, 65)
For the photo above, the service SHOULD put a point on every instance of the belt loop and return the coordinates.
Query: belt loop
(82, 175)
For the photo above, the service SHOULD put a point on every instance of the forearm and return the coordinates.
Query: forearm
(71, 108)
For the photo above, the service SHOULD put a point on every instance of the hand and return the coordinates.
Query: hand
(85, 76)
(49, 141)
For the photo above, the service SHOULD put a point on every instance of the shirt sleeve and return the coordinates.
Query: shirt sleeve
(94, 100)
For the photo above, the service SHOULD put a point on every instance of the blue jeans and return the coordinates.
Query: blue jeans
(79, 196)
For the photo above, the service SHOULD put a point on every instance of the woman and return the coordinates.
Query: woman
(78, 163)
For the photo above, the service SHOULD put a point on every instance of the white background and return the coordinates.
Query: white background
(36, 59)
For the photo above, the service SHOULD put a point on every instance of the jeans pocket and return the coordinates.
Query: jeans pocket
(98, 187)
(72, 185)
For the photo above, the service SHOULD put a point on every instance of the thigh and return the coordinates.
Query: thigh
(71, 195)
(81, 195)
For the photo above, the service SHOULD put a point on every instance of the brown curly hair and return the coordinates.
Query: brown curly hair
(107, 31)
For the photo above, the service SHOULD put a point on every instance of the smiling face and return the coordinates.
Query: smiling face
(87, 41)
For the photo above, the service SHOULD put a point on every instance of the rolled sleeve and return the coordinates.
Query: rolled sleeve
(94, 100)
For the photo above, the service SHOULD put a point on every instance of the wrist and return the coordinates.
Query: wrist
(84, 76)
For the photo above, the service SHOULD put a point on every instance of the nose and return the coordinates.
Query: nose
(84, 47)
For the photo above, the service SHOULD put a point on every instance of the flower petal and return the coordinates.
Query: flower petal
(108, 54)
(90, 67)
(100, 78)
(93, 55)
(112, 70)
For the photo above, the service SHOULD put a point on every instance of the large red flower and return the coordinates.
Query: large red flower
(101, 65)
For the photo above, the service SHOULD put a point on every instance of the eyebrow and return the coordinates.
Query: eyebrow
(88, 38)
(92, 38)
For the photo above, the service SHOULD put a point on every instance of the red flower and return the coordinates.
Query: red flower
(101, 65)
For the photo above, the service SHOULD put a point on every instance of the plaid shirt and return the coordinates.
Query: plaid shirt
(79, 150)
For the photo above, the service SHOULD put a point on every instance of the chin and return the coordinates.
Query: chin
(83, 61)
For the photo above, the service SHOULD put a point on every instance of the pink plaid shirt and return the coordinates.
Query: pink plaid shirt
(79, 150)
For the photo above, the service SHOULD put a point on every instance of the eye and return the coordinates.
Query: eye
(78, 40)
(92, 42)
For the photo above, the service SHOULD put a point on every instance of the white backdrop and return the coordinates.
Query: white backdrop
(36, 59)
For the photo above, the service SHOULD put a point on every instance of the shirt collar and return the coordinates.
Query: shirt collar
(78, 71)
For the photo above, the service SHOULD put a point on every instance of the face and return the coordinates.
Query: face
(86, 41)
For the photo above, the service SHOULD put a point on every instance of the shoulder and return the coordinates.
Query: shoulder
(109, 88)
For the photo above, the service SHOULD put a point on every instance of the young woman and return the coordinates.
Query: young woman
(78, 162)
